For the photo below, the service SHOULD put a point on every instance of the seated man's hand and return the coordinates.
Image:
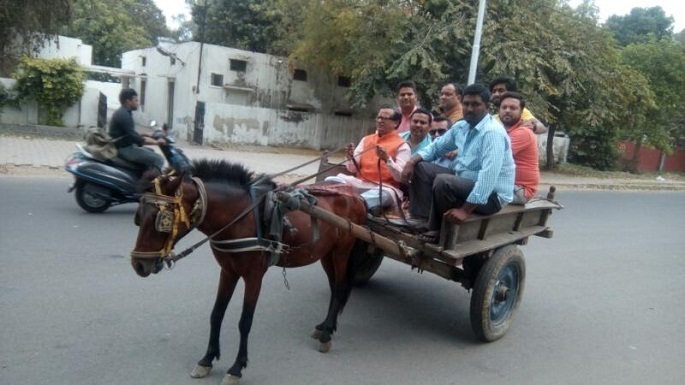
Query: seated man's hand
(530, 124)
(382, 154)
(451, 155)
(456, 216)
(349, 151)
(407, 172)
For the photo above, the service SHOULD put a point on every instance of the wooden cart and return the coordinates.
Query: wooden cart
(482, 254)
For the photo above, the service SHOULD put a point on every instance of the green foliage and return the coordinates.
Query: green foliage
(114, 27)
(54, 83)
(663, 65)
(245, 24)
(30, 24)
(640, 26)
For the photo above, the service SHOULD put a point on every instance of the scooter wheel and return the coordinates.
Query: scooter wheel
(90, 198)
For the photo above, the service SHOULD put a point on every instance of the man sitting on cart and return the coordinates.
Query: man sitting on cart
(524, 147)
(370, 176)
(482, 177)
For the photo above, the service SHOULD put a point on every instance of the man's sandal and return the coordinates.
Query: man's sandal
(431, 236)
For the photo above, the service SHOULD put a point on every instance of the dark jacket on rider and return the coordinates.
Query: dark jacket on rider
(122, 126)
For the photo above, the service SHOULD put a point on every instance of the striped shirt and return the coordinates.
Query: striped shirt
(483, 156)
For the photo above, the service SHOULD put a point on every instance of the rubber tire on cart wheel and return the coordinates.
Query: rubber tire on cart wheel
(365, 263)
(497, 293)
(88, 199)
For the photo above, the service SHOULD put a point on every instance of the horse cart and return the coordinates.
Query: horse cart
(230, 205)
(482, 254)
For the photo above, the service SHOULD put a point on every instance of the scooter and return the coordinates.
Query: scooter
(100, 184)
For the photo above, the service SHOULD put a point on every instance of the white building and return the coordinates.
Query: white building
(214, 94)
(85, 112)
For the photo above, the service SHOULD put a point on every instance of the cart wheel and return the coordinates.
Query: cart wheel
(366, 264)
(497, 293)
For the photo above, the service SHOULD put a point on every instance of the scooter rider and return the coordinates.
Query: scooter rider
(129, 143)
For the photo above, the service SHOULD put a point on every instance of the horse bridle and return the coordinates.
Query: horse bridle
(170, 214)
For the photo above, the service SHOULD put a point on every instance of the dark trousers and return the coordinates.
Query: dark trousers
(434, 191)
(421, 188)
(141, 155)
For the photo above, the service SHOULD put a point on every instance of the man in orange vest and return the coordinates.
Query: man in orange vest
(377, 163)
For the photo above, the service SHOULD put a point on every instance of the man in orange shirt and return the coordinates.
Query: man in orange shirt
(524, 147)
(450, 101)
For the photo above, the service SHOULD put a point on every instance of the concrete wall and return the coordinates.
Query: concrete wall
(269, 127)
(560, 145)
(649, 159)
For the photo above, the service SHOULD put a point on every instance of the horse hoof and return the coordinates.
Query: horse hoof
(230, 380)
(316, 334)
(200, 371)
(325, 347)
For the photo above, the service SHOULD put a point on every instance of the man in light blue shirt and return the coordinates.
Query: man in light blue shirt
(482, 178)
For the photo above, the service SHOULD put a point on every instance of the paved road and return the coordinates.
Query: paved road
(603, 305)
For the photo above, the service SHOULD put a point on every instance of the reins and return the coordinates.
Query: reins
(169, 258)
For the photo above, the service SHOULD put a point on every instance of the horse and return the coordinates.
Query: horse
(226, 202)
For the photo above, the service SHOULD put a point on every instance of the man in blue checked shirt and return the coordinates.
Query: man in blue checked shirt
(481, 179)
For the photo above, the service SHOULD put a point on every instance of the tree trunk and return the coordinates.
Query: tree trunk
(550, 147)
(632, 163)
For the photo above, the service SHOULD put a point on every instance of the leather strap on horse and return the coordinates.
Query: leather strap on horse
(280, 208)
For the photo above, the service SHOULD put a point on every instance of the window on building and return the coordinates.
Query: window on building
(344, 81)
(143, 61)
(218, 80)
(143, 86)
(300, 75)
(238, 65)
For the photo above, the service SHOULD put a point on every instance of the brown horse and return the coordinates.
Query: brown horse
(225, 201)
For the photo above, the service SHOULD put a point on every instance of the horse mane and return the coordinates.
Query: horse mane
(214, 170)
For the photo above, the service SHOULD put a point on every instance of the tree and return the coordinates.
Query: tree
(114, 27)
(28, 23)
(54, 83)
(663, 65)
(641, 25)
(243, 24)
(568, 68)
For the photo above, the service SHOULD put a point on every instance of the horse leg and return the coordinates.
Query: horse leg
(227, 284)
(327, 267)
(253, 285)
(337, 265)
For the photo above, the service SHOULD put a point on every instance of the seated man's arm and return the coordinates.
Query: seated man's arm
(493, 151)
(530, 121)
(397, 165)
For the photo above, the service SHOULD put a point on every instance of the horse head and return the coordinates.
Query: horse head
(171, 206)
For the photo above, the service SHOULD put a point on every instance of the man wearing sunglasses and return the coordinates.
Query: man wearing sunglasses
(439, 127)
